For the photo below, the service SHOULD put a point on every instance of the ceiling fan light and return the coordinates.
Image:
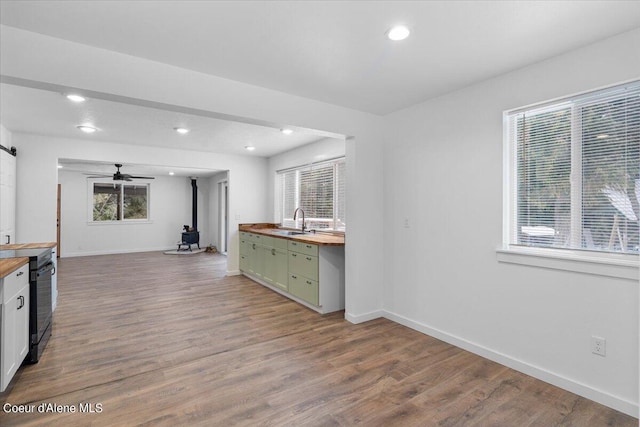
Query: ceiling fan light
(249, 147)
(286, 131)
(87, 128)
(181, 131)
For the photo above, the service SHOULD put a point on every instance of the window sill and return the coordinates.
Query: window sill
(622, 266)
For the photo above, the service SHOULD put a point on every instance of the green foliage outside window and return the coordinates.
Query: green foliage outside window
(116, 202)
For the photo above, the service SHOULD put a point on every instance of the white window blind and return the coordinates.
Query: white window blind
(319, 189)
(575, 171)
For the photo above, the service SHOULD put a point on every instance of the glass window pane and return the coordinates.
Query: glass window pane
(544, 170)
(610, 171)
(106, 202)
(135, 202)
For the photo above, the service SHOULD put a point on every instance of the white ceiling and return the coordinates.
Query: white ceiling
(332, 51)
(44, 112)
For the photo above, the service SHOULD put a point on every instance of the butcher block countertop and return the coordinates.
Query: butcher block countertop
(28, 246)
(267, 229)
(9, 265)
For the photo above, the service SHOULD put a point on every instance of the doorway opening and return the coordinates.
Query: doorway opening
(223, 216)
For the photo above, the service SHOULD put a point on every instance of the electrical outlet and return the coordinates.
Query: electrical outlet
(599, 346)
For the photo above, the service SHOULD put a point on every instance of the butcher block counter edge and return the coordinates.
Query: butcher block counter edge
(28, 246)
(268, 229)
(9, 265)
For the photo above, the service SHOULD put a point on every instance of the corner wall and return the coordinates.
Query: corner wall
(443, 177)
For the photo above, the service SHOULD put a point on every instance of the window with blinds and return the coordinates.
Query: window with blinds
(319, 189)
(575, 172)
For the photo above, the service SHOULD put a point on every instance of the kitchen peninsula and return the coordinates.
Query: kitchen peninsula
(305, 267)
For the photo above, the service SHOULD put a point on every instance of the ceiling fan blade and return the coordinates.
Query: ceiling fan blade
(97, 176)
(141, 177)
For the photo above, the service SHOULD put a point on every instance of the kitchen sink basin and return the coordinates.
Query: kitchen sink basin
(288, 233)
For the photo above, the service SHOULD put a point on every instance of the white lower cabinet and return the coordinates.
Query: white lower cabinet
(14, 329)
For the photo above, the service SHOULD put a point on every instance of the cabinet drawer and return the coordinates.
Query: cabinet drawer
(280, 243)
(266, 241)
(303, 288)
(244, 262)
(245, 245)
(15, 281)
(304, 265)
(305, 248)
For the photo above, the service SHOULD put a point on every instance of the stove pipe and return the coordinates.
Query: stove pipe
(194, 204)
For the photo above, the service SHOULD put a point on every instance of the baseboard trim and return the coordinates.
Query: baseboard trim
(365, 317)
(234, 272)
(607, 399)
(114, 252)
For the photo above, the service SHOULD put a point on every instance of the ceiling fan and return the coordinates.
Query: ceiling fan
(118, 176)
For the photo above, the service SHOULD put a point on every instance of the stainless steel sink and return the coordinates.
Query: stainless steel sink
(288, 233)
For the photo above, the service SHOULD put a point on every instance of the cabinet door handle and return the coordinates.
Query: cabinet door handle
(254, 246)
(309, 246)
(294, 255)
(309, 283)
(21, 299)
(273, 252)
(308, 258)
(294, 277)
(20, 274)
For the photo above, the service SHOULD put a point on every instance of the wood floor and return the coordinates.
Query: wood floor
(168, 340)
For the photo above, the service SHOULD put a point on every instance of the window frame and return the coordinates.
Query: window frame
(286, 218)
(138, 183)
(609, 264)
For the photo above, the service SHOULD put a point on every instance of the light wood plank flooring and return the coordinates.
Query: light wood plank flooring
(164, 340)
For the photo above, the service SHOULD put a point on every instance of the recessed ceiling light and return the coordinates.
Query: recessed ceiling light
(171, 173)
(182, 131)
(250, 147)
(87, 128)
(60, 166)
(399, 32)
(75, 97)
(286, 131)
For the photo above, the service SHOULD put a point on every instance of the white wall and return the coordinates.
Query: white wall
(5, 137)
(214, 208)
(443, 172)
(169, 210)
(324, 149)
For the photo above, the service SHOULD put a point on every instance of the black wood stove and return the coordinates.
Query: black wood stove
(191, 235)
